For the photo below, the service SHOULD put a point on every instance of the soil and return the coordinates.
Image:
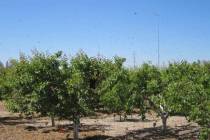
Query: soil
(99, 127)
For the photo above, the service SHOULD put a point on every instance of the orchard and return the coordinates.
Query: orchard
(55, 86)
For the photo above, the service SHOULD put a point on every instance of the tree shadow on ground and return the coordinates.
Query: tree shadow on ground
(69, 128)
(31, 126)
(97, 137)
(14, 120)
(86, 128)
(132, 120)
(186, 132)
(100, 137)
(138, 120)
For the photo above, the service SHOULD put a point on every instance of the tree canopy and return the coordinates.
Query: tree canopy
(70, 88)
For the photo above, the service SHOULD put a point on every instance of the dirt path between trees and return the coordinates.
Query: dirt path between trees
(98, 127)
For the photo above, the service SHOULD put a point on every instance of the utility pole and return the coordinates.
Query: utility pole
(158, 41)
(99, 48)
(158, 38)
(134, 59)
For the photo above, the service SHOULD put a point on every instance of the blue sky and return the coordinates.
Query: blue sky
(111, 27)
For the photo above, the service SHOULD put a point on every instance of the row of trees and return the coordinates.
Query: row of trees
(55, 86)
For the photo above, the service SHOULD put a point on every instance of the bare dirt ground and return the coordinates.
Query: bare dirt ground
(100, 127)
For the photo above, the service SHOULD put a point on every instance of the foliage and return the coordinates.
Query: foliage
(188, 91)
(146, 82)
(115, 90)
(92, 72)
(204, 134)
(37, 84)
(55, 86)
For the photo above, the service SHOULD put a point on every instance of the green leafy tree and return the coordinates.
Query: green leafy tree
(93, 73)
(145, 84)
(188, 91)
(38, 84)
(82, 97)
(2, 80)
(115, 89)
(49, 82)
(77, 101)
(20, 84)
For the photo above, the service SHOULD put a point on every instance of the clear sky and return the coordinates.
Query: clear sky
(111, 27)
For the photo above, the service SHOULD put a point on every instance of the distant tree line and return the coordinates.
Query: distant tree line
(69, 88)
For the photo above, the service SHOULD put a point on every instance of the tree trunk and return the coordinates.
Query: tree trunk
(120, 118)
(32, 118)
(143, 117)
(164, 117)
(125, 117)
(76, 128)
(53, 121)
(164, 121)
